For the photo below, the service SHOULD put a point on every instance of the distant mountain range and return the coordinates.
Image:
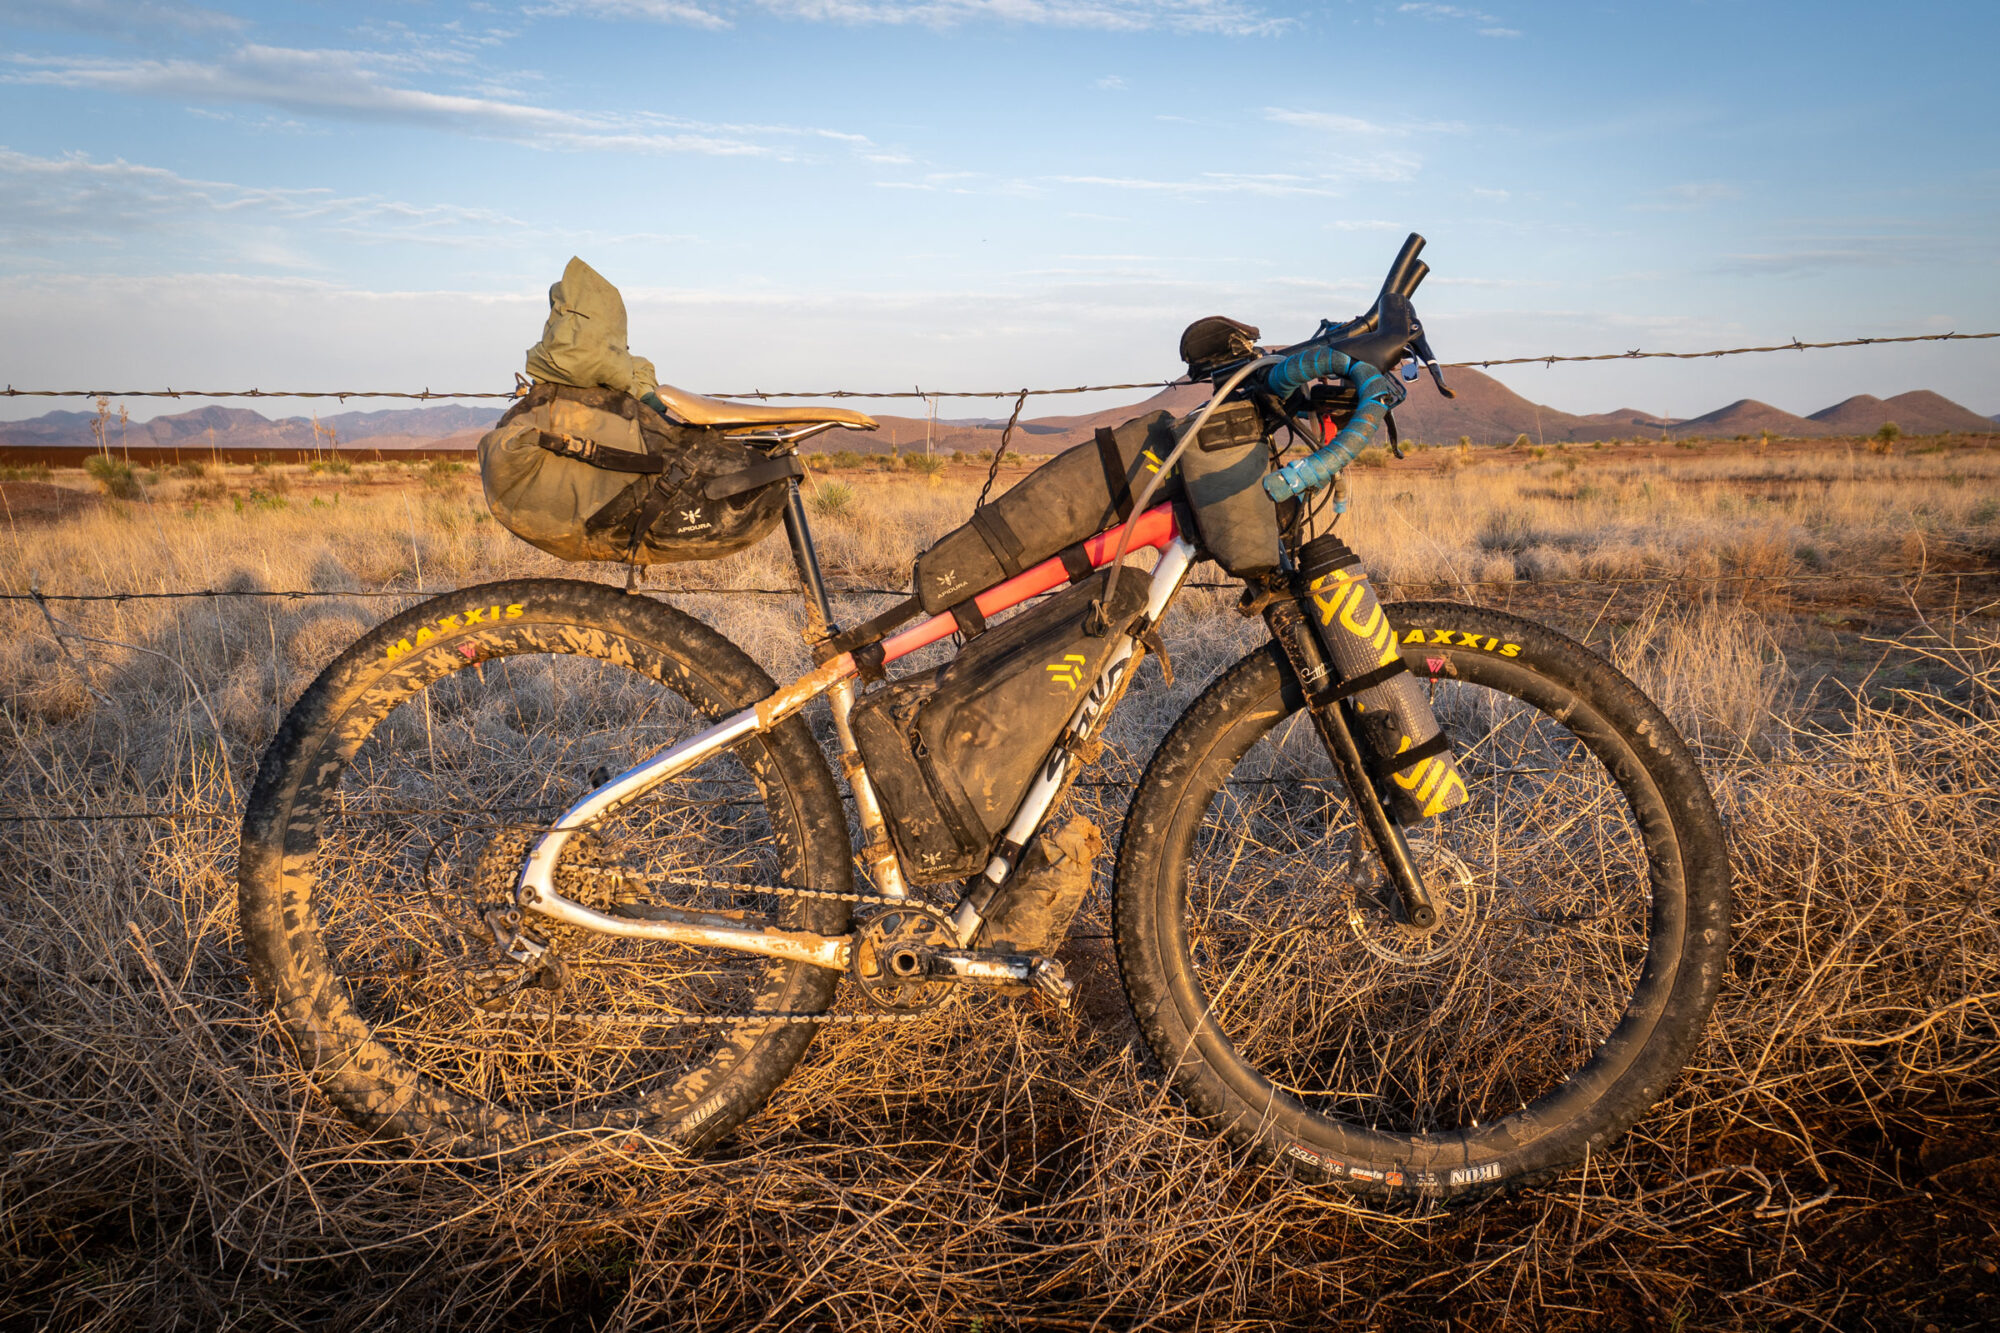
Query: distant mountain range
(1485, 411)
(241, 428)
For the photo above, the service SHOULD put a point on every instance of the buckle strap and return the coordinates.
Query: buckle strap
(663, 493)
(1000, 540)
(564, 445)
(761, 473)
(1076, 562)
(1396, 763)
(1116, 482)
(1354, 685)
(971, 620)
(868, 631)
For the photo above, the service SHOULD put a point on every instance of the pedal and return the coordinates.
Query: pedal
(1047, 977)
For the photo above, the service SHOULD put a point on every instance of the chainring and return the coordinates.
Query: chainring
(889, 958)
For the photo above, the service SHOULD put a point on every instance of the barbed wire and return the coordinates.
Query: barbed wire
(428, 395)
(1527, 584)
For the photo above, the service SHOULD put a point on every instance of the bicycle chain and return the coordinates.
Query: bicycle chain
(785, 890)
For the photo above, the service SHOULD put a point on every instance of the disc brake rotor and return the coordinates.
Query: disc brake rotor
(1374, 917)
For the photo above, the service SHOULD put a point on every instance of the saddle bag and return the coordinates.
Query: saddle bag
(1223, 473)
(1072, 497)
(596, 474)
(951, 752)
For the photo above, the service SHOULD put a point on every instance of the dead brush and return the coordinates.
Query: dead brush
(1829, 1161)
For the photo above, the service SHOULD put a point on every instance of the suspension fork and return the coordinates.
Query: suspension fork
(877, 851)
(1331, 719)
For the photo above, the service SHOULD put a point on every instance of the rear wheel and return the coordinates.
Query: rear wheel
(391, 815)
(1584, 904)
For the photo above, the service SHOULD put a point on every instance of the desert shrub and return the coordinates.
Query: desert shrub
(1885, 438)
(832, 499)
(442, 473)
(339, 467)
(190, 469)
(30, 472)
(114, 475)
(924, 465)
(1372, 457)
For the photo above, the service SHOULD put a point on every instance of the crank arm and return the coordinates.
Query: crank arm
(1002, 969)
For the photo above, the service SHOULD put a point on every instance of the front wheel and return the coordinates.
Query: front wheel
(1583, 896)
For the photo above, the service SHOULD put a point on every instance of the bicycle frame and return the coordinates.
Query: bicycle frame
(836, 678)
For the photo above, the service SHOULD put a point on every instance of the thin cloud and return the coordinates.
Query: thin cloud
(360, 85)
(1687, 197)
(1331, 122)
(52, 202)
(116, 18)
(1275, 185)
(1490, 25)
(1225, 17)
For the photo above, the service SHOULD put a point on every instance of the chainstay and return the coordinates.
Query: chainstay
(785, 890)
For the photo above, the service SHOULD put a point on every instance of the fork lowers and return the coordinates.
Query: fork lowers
(1409, 756)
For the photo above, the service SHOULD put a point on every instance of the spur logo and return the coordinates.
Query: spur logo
(1069, 671)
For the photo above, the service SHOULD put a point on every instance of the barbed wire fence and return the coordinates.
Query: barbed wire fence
(42, 599)
(425, 395)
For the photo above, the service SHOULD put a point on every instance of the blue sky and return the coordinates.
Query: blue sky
(988, 193)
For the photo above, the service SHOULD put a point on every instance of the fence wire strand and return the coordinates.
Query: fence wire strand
(427, 394)
(187, 815)
(1637, 580)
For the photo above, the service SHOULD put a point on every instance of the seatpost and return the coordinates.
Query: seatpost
(879, 853)
(799, 533)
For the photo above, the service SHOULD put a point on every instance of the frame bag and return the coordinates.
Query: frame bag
(951, 752)
(1072, 497)
(595, 474)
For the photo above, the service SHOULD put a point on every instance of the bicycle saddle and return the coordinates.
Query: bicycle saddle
(695, 410)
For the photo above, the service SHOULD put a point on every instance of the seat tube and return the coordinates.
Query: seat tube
(877, 851)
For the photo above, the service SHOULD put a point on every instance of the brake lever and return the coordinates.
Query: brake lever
(1421, 346)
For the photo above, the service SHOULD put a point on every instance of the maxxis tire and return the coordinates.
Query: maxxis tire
(1688, 921)
(289, 962)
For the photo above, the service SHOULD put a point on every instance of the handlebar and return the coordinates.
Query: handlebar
(1376, 394)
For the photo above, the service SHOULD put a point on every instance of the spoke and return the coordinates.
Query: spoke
(1542, 881)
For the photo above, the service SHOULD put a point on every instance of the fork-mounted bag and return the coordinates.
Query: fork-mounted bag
(951, 752)
(1072, 497)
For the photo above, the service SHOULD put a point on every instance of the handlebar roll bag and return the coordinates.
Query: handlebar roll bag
(1223, 473)
(595, 474)
(1406, 747)
(1075, 495)
(951, 752)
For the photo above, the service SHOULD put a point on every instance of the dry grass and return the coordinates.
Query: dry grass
(1830, 1162)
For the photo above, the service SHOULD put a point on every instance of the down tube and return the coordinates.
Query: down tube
(1176, 558)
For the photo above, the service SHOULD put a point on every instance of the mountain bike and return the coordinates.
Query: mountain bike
(1422, 898)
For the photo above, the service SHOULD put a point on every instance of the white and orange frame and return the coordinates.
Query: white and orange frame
(836, 679)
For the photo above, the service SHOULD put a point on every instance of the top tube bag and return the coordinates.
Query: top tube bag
(596, 474)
